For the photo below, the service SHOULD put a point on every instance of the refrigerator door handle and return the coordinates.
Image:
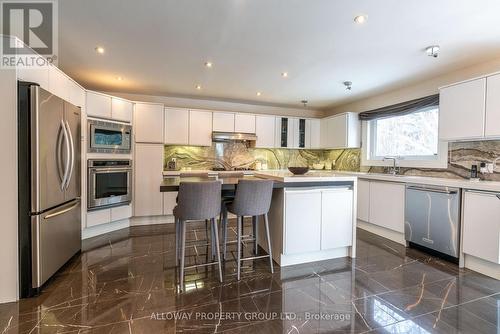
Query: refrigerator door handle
(59, 147)
(72, 149)
(63, 211)
(68, 155)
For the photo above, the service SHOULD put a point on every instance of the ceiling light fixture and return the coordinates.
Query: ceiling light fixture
(432, 51)
(304, 102)
(209, 64)
(198, 87)
(360, 19)
(259, 93)
(99, 50)
(284, 74)
(119, 78)
(348, 85)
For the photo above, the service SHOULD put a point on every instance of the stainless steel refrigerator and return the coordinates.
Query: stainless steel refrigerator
(49, 185)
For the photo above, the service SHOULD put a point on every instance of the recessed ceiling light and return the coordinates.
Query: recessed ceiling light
(360, 19)
(209, 64)
(259, 93)
(198, 87)
(99, 49)
(284, 74)
(119, 78)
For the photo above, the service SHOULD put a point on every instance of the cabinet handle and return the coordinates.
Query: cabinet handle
(498, 196)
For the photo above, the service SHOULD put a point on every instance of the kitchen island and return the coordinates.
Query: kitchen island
(312, 216)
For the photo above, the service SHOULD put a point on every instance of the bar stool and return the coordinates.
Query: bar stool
(197, 201)
(253, 198)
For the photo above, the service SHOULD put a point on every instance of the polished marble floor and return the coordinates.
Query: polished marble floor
(126, 282)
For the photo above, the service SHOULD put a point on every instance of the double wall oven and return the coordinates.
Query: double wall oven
(109, 183)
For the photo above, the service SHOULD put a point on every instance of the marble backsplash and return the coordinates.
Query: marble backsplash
(461, 156)
(237, 155)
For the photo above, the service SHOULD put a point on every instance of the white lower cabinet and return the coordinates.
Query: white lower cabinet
(98, 217)
(148, 162)
(387, 205)
(317, 219)
(336, 218)
(169, 202)
(121, 213)
(364, 200)
(481, 219)
(302, 221)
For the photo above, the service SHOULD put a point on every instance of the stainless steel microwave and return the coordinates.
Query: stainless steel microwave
(109, 137)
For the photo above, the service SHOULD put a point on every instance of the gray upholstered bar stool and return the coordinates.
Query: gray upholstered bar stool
(253, 198)
(197, 201)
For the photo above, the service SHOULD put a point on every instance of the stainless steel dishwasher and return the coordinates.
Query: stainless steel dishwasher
(432, 218)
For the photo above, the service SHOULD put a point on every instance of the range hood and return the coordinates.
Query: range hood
(233, 136)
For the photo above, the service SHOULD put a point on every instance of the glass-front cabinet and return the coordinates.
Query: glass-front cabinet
(293, 132)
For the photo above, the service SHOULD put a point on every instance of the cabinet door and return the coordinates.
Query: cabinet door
(169, 202)
(462, 110)
(98, 105)
(148, 123)
(76, 94)
(387, 205)
(39, 75)
(148, 200)
(121, 213)
(482, 225)
(285, 129)
(364, 200)
(302, 221)
(264, 129)
(335, 129)
(244, 123)
(493, 106)
(223, 122)
(98, 217)
(121, 110)
(58, 83)
(314, 134)
(177, 126)
(200, 128)
(336, 218)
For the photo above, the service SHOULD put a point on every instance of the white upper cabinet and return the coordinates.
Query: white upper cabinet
(39, 75)
(223, 122)
(264, 129)
(176, 126)
(284, 132)
(59, 83)
(121, 110)
(313, 127)
(493, 106)
(148, 123)
(98, 105)
(462, 110)
(244, 123)
(76, 94)
(481, 236)
(340, 131)
(200, 128)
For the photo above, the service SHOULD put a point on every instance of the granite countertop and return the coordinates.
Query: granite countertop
(312, 176)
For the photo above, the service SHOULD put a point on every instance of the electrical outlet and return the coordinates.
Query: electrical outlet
(490, 168)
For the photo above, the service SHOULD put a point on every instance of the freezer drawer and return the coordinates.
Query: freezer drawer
(56, 238)
(432, 218)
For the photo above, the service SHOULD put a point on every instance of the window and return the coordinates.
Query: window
(412, 136)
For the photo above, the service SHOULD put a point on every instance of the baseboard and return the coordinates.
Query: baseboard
(97, 230)
(151, 220)
(289, 260)
(383, 232)
(481, 266)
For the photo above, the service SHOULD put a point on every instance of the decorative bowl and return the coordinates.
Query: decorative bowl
(298, 170)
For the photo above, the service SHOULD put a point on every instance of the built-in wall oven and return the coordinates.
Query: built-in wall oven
(109, 137)
(109, 183)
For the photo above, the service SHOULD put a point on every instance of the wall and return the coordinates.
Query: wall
(194, 103)
(8, 180)
(421, 89)
(238, 155)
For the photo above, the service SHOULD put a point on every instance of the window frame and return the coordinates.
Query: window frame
(368, 157)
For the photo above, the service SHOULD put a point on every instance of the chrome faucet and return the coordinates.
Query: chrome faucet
(395, 168)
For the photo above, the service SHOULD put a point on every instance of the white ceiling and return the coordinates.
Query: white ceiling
(159, 46)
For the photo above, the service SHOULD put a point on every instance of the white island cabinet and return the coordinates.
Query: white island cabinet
(312, 217)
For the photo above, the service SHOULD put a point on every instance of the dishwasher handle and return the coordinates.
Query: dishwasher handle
(433, 190)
